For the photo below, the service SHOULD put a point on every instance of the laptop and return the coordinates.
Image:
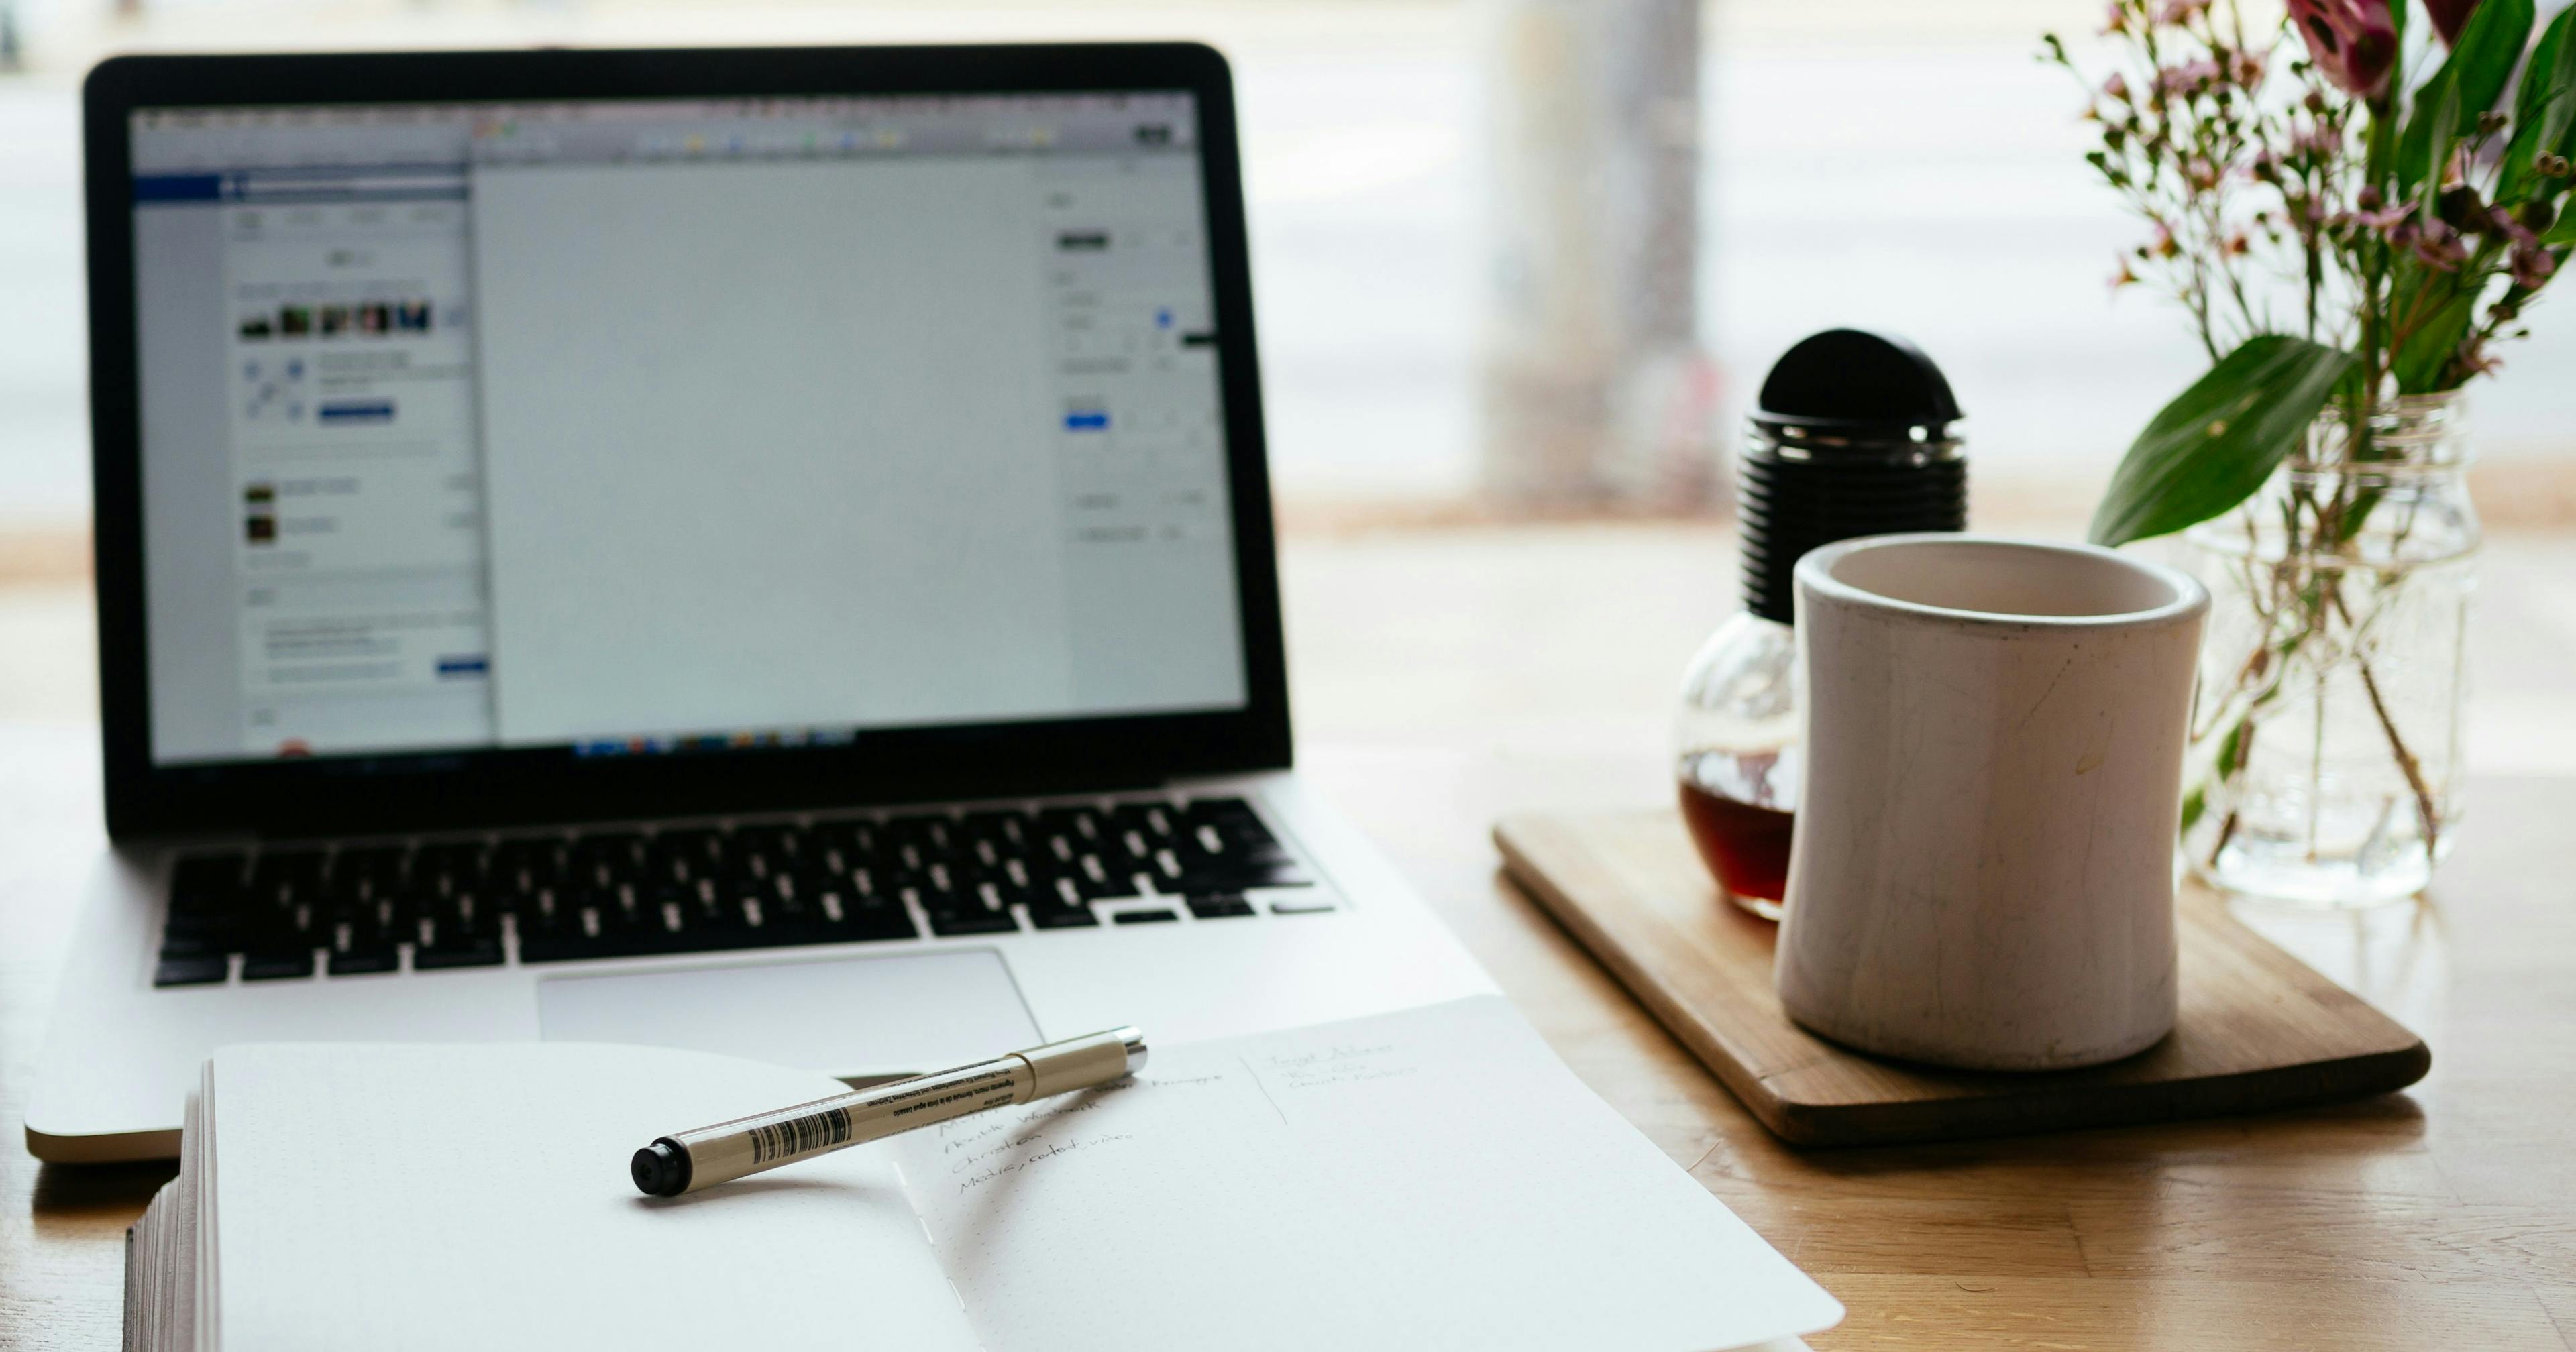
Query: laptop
(762, 551)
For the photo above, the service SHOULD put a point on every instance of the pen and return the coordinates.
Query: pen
(689, 1160)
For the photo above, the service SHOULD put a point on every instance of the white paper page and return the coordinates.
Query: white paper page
(416, 1197)
(197, 1269)
(1432, 1178)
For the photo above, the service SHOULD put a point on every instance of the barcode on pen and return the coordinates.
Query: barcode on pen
(797, 1136)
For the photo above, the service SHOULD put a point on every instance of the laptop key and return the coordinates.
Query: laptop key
(713, 911)
(178, 943)
(974, 920)
(198, 970)
(1099, 879)
(1221, 906)
(883, 919)
(440, 945)
(1042, 916)
(277, 964)
(479, 951)
(1143, 917)
(354, 951)
(844, 917)
(1282, 874)
(1156, 823)
(603, 925)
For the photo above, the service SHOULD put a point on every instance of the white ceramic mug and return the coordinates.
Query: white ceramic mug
(1983, 869)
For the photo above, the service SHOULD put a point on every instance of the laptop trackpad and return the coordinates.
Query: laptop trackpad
(874, 1016)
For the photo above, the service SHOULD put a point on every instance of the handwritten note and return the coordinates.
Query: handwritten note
(977, 1151)
(1340, 1063)
(1434, 1175)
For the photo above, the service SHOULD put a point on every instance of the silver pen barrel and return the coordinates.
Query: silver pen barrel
(687, 1161)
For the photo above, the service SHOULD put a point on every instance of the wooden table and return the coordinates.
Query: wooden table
(2442, 1217)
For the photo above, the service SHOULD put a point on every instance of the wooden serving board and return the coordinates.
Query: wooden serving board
(2258, 1029)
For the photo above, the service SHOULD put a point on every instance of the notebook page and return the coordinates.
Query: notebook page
(1434, 1177)
(196, 1266)
(401, 1197)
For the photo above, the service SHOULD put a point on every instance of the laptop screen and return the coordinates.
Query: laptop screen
(649, 426)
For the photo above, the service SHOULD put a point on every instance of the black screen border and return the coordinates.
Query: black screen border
(504, 787)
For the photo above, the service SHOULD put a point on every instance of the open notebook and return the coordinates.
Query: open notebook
(1428, 1178)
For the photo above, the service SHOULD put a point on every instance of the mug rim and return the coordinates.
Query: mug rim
(1815, 577)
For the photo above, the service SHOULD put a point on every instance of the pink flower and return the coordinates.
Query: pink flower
(2117, 87)
(2450, 16)
(2176, 11)
(2439, 247)
(2532, 267)
(2353, 42)
(2117, 19)
(2511, 227)
(2188, 78)
(2317, 138)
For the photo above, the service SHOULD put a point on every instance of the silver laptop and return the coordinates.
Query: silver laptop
(763, 551)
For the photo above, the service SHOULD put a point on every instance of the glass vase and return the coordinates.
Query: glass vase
(1737, 739)
(2326, 733)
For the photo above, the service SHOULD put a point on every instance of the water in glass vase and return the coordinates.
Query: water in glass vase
(2326, 734)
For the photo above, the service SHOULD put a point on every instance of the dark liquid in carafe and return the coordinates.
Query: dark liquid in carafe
(1747, 847)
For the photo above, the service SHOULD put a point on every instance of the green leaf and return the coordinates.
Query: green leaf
(2563, 234)
(2446, 129)
(2448, 307)
(2544, 110)
(2381, 145)
(2474, 73)
(2422, 358)
(2219, 440)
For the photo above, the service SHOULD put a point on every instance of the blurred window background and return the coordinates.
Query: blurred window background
(1526, 255)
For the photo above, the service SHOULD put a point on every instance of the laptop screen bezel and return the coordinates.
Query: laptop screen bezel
(503, 787)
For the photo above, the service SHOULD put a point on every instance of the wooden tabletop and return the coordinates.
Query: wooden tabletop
(2445, 1216)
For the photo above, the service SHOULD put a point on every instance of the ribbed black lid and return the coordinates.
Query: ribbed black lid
(1852, 438)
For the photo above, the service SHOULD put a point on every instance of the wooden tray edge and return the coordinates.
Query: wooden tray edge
(1843, 1126)
(1831, 1126)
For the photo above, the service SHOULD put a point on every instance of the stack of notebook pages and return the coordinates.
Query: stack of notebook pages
(1429, 1177)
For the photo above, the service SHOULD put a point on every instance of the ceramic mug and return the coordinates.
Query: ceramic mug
(1983, 871)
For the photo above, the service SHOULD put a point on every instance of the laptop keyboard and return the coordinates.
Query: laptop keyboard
(288, 911)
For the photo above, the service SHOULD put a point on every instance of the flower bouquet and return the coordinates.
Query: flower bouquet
(2355, 208)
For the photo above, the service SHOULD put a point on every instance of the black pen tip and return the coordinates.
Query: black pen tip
(661, 1170)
